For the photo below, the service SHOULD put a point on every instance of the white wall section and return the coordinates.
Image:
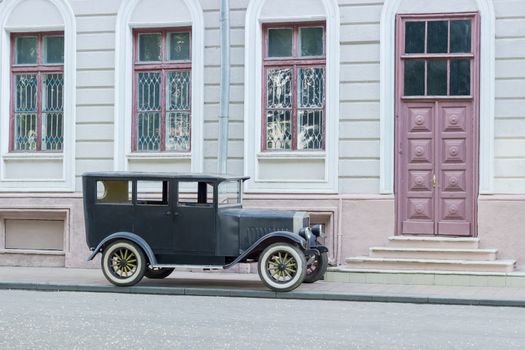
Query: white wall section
(257, 164)
(155, 14)
(51, 171)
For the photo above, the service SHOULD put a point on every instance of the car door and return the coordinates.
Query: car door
(195, 214)
(153, 213)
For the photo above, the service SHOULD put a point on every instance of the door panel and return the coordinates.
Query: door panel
(435, 168)
(455, 184)
(417, 156)
(153, 214)
(195, 216)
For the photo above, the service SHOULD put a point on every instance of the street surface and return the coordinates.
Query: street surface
(53, 320)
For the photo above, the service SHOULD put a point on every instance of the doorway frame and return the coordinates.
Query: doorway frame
(475, 95)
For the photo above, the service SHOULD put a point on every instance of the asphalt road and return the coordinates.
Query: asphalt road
(51, 320)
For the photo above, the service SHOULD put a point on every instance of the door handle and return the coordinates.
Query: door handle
(168, 213)
(434, 181)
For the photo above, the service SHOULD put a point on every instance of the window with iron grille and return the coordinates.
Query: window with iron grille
(162, 90)
(37, 92)
(294, 66)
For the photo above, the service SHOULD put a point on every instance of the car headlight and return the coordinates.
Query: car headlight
(317, 230)
(306, 233)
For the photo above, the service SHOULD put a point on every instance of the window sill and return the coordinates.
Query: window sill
(166, 155)
(291, 155)
(33, 155)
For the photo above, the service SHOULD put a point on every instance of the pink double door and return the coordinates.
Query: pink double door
(437, 124)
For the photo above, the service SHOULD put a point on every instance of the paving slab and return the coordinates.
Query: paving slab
(220, 284)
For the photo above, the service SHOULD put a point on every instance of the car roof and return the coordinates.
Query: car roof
(167, 175)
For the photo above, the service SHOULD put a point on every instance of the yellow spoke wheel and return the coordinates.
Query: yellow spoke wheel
(282, 267)
(123, 263)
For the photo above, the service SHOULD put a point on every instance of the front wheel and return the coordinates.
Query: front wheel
(123, 263)
(317, 268)
(282, 267)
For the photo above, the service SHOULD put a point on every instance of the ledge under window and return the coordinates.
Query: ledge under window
(291, 155)
(164, 155)
(33, 155)
(33, 251)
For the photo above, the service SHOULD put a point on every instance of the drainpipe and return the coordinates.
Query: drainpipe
(222, 156)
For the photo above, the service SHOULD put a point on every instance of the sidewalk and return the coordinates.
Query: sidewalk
(248, 285)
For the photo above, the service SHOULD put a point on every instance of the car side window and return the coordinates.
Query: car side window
(114, 192)
(195, 193)
(152, 192)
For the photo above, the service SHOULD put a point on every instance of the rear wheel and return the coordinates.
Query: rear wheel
(123, 263)
(157, 273)
(282, 267)
(317, 268)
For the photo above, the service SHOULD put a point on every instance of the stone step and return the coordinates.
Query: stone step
(514, 279)
(433, 253)
(434, 242)
(365, 262)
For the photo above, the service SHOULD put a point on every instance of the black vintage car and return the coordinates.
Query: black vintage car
(147, 224)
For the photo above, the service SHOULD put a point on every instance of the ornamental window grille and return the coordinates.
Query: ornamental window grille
(162, 90)
(294, 69)
(37, 92)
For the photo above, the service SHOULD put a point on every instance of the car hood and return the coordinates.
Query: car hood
(252, 224)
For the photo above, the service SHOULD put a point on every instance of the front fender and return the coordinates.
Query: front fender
(131, 237)
(266, 240)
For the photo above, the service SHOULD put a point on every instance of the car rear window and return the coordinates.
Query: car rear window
(114, 191)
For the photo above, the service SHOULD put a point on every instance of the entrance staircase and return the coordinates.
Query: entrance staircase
(423, 260)
(432, 254)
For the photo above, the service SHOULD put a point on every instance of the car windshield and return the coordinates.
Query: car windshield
(229, 193)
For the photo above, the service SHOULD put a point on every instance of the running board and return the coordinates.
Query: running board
(202, 267)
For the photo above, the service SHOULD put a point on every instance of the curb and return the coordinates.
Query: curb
(248, 293)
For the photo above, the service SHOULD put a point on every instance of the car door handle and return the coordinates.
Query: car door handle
(168, 213)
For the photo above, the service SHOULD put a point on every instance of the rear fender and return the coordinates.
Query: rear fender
(130, 237)
(263, 242)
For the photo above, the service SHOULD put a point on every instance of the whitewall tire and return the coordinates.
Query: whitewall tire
(282, 267)
(123, 263)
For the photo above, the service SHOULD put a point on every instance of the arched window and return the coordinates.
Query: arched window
(291, 96)
(37, 99)
(159, 85)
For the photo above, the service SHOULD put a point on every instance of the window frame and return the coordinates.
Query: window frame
(295, 62)
(39, 69)
(164, 66)
(472, 56)
(193, 200)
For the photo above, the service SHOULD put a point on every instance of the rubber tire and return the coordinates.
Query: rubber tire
(137, 276)
(318, 274)
(266, 278)
(158, 274)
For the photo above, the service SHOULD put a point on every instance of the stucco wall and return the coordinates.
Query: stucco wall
(95, 85)
(359, 134)
(510, 97)
(361, 217)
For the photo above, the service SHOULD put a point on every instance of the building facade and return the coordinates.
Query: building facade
(401, 117)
